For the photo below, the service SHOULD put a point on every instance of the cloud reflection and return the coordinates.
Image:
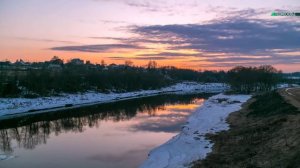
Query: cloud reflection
(170, 119)
(161, 113)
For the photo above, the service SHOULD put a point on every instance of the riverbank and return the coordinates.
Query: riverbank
(265, 133)
(24, 106)
(191, 143)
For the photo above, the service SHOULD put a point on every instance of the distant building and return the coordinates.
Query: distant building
(115, 66)
(22, 65)
(55, 66)
(5, 64)
(21, 62)
(112, 66)
(76, 61)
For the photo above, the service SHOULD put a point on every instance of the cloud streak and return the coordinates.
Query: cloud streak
(172, 54)
(235, 37)
(238, 36)
(46, 40)
(98, 48)
(228, 41)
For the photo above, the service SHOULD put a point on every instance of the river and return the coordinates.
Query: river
(110, 135)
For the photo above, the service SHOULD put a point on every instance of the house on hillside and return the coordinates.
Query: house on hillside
(76, 61)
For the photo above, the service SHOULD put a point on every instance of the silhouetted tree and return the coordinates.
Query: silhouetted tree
(252, 79)
(75, 76)
(152, 65)
(128, 63)
(56, 60)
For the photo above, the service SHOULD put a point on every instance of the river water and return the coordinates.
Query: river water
(114, 135)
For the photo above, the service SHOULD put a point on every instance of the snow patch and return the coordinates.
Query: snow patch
(190, 144)
(9, 106)
(6, 157)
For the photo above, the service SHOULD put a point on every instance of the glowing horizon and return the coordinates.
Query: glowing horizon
(196, 35)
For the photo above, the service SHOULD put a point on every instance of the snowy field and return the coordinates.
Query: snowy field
(190, 144)
(9, 106)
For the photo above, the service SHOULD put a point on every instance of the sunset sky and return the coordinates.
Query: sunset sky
(196, 34)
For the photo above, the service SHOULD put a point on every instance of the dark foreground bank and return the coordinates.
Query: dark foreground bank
(264, 134)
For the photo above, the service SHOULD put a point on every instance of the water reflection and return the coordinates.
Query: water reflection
(156, 114)
(169, 118)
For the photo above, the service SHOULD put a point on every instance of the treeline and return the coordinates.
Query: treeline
(253, 79)
(54, 77)
(71, 79)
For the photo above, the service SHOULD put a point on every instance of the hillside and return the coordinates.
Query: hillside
(265, 133)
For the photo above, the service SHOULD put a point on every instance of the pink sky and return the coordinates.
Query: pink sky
(191, 34)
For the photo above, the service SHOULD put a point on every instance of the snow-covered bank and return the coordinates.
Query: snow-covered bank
(10, 106)
(6, 157)
(190, 144)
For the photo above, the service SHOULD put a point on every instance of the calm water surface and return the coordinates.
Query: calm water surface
(108, 136)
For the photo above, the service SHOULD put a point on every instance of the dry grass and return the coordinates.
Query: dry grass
(264, 134)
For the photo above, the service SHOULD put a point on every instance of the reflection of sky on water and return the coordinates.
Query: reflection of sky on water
(167, 119)
(83, 142)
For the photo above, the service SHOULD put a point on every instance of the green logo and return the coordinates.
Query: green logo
(274, 14)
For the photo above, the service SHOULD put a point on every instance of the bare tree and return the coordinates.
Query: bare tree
(128, 63)
(152, 65)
